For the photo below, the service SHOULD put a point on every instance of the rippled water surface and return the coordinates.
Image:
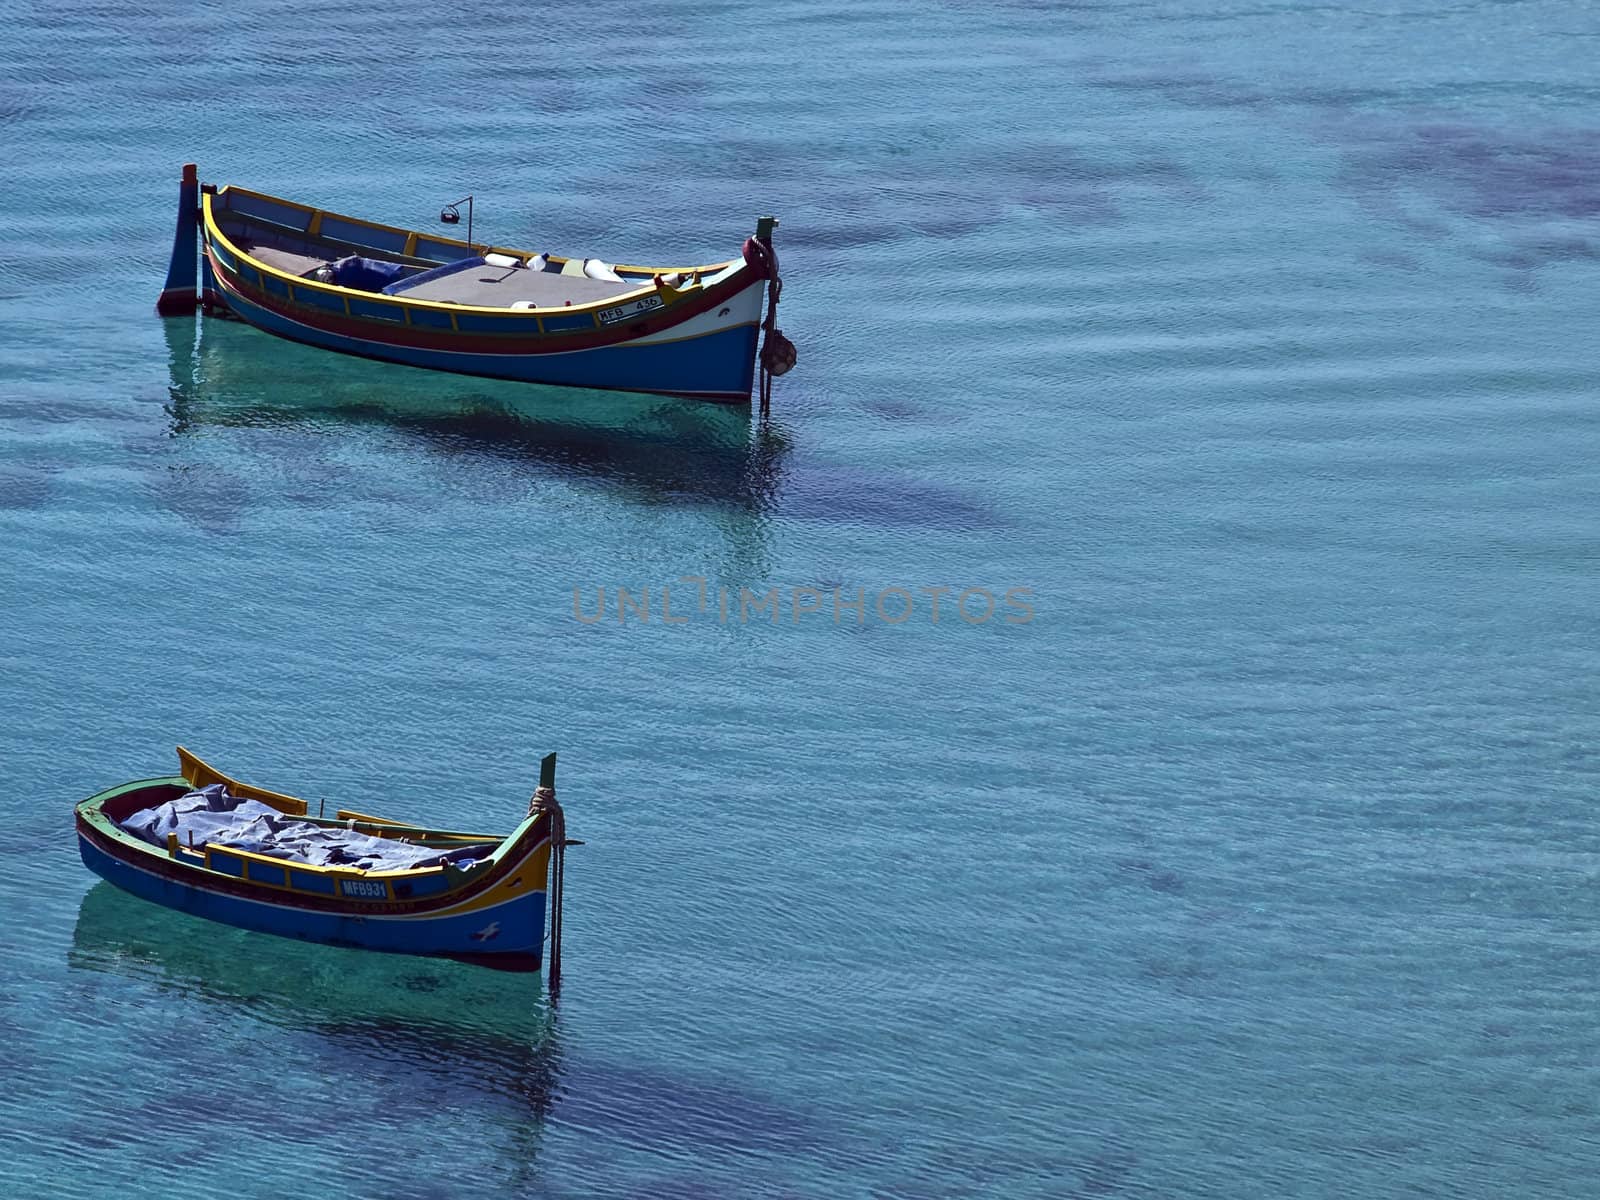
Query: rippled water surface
(1256, 342)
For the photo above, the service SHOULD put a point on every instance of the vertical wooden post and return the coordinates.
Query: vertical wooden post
(771, 337)
(558, 855)
(545, 798)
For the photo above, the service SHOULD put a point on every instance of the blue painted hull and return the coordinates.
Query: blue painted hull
(515, 927)
(714, 366)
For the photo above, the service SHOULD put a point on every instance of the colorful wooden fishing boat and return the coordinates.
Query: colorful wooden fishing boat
(262, 862)
(422, 300)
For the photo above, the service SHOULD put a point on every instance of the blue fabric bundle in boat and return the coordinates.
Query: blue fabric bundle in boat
(211, 815)
(207, 815)
(428, 276)
(365, 274)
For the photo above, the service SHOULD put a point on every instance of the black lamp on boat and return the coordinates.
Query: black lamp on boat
(450, 214)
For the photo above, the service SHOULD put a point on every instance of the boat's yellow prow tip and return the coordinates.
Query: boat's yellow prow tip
(200, 774)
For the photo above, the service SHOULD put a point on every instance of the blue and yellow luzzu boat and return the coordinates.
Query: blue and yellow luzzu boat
(217, 848)
(425, 301)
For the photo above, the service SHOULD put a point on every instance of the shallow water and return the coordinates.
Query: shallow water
(1255, 342)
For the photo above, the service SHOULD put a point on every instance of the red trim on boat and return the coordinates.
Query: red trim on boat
(518, 344)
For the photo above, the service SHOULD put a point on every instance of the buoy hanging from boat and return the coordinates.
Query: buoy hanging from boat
(778, 354)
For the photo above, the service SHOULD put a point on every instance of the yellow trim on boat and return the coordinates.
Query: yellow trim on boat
(439, 835)
(528, 874)
(647, 286)
(201, 774)
(348, 814)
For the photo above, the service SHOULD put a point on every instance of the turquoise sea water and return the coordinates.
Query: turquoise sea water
(1256, 341)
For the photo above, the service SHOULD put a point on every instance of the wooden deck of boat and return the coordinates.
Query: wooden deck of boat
(285, 260)
(501, 287)
(489, 287)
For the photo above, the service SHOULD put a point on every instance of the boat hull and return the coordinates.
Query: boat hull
(704, 360)
(515, 928)
(491, 911)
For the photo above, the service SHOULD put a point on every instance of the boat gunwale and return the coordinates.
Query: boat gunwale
(94, 823)
(669, 295)
(474, 247)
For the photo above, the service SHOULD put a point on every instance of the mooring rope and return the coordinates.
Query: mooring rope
(777, 352)
(544, 800)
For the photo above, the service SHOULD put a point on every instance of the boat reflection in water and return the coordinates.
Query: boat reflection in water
(223, 375)
(446, 1032)
(424, 1035)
